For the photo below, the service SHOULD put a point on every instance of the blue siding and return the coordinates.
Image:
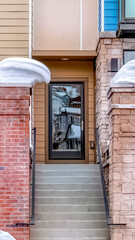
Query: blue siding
(110, 15)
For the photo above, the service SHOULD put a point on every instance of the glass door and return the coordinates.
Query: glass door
(66, 121)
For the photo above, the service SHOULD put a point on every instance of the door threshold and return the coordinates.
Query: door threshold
(66, 162)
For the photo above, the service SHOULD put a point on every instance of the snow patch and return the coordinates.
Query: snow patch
(23, 72)
(125, 76)
(6, 236)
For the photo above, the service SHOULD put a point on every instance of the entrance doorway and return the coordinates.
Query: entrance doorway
(64, 114)
(66, 120)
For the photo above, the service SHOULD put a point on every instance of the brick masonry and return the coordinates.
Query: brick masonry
(14, 160)
(118, 128)
(122, 165)
(108, 47)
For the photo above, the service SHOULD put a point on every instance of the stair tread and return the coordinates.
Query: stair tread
(93, 238)
(69, 203)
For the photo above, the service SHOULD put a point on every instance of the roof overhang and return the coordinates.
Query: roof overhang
(68, 55)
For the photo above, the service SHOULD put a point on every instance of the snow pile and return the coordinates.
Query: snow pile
(5, 236)
(125, 77)
(23, 72)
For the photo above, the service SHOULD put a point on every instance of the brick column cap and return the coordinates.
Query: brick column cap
(22, 72)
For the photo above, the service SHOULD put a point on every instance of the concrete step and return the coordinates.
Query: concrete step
(70, 224)
(71, 186)
(70, 179)
(52, 238)
(68, 208)
(84, 193)
(64, 200)
(95, 216)
(65, 173)
(69, 203)
(67, 167)
(69, 233)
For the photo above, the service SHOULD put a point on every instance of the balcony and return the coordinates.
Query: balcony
(126, 23)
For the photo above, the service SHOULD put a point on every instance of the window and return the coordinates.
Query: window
(126, 10)
(129, 8)
(129, 55)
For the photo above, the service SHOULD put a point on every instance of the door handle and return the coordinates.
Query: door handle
(82, 125)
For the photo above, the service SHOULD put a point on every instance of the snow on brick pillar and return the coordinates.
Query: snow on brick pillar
(14, 160)
(122, 161)
(17, 76)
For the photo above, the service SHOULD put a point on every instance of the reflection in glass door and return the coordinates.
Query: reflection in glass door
(66, 121)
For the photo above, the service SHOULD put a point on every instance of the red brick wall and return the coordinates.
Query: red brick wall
(14, 160)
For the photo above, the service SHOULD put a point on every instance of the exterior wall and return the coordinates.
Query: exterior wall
(108, 47)
(65, 25)
(39, 120)
(14, 28)
(122, 163)
(14, 158)
(110, 15)
(117, 132)
(68, 70)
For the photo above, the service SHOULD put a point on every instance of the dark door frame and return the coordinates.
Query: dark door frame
(67, 155)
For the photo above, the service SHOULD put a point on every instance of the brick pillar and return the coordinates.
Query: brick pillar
(122, 162)
(14, 160)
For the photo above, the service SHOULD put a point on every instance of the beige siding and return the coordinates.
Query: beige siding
(65, 24)
(14, 28)
(66, 71)
(39, 121)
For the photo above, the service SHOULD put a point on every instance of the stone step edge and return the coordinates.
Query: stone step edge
(68, 176)
(69, 205)
(69, 197)
(72, 221)
(70, 212)
(53, 238)
(67, 229)
(44, 190)
(69, 183)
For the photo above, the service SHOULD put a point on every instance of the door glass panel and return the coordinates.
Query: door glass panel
(66, 120)
(130, 8)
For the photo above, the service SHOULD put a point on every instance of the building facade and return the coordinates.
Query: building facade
(84, 44)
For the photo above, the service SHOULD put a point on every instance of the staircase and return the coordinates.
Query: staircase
(69, 203)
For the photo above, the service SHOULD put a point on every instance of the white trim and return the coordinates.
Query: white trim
(80, 24)
(102, 16)
(30, 122)
(30, 28)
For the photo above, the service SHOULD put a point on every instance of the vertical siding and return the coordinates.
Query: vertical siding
(110, 15)
(39, 120)
(14, 28)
